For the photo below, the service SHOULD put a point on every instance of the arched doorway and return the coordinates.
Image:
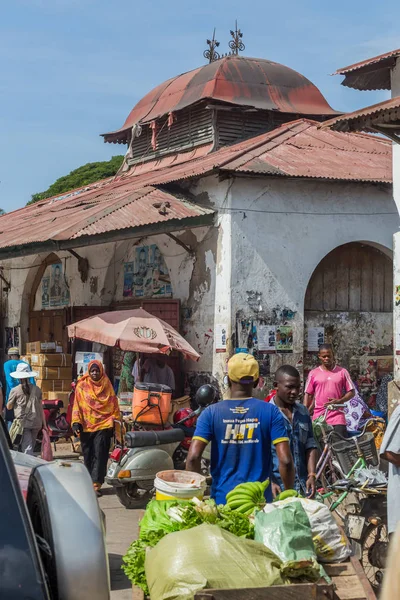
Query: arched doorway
(350, 296)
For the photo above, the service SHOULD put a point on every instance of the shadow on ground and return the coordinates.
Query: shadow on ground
(119, 580)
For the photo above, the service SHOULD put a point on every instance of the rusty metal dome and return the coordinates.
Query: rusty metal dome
(237, 81)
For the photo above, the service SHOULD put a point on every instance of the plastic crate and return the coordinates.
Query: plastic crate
(346, 451)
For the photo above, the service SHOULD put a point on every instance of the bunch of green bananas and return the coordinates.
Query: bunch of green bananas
(245, 497)
(287, 494)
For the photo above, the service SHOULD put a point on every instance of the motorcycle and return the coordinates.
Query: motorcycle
(59, 423)
(135, 464)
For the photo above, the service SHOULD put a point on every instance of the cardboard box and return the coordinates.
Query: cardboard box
(64, 396)
(50, 360)
(54, 372)
(42, 347)
(54, 385)
(45, 395)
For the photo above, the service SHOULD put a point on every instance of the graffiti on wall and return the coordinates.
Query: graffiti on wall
(147, 275)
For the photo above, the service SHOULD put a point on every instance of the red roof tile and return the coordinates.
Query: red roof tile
(237, 80)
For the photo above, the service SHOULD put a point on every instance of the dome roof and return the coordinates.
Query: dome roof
(236, 80)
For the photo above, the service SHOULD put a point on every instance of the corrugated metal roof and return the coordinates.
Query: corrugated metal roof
(115, 206)
(369, 61)
(297, 149)
(370, 74)
(237, 80)
(356, 121)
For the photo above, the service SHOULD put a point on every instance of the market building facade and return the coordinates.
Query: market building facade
(234, 217)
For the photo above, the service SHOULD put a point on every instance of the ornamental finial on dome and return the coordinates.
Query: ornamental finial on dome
(236, 44)
(211, 54)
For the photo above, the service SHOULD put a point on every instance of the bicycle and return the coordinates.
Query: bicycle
(366, 524)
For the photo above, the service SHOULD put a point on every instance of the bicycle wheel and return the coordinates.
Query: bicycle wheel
(374, 548)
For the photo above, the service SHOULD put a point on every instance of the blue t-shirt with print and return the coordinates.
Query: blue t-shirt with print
(241, 432)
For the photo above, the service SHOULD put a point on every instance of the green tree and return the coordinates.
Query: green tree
(80, 177)
(2, 212)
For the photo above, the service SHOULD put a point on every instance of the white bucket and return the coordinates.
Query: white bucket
(182, 485)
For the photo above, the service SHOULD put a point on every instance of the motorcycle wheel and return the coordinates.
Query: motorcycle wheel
(374, 547)
(131, 496)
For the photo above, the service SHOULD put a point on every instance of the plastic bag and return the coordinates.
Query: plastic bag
(208, 557)
(286, 531)
(330, 543)
(47, 452)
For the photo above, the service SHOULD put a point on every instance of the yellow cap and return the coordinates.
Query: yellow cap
(243, 368)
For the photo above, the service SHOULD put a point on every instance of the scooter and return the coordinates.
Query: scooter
(135, 464)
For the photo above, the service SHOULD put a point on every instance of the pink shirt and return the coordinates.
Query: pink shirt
(324, 384)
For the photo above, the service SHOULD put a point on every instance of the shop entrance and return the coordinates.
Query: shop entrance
(350, 296)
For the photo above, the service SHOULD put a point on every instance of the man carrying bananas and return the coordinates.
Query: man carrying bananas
(241, 430)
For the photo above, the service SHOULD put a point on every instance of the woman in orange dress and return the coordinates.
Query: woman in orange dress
(95, 409)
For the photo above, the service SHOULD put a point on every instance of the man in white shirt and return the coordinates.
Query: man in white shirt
(154, 370)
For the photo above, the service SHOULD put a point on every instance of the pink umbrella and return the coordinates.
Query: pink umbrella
(132, 330)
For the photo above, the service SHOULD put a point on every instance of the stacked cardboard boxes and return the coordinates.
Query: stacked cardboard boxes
(54, 369)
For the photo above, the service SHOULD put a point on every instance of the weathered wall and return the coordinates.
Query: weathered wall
(361, 340)
(395, 84)
(281, 230)
(192, 279)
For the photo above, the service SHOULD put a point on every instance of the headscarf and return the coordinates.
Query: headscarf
(95, 404)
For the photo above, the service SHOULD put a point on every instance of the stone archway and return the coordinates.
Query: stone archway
(350, 295)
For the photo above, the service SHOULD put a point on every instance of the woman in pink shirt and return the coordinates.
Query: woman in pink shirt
(328, 384)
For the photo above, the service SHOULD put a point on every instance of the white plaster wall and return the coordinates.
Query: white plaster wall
(395, 86)
(395, 83)
(281, 229)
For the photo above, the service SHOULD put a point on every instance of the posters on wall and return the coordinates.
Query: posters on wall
(220, 338)
(11, 337)
(266, 338)
(147, 275)
(315, 338)
(284, 338)
(54, 290)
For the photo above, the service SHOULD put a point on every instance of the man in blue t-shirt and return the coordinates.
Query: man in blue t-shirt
(241, 430)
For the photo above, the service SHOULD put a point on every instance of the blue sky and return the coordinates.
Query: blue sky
(72, 69)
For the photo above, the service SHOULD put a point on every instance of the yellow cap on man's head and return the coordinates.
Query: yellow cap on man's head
(243, 368)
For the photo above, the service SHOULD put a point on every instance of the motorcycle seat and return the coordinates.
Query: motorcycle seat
(139, 439)
(51, 404)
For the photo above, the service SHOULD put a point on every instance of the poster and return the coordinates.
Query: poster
(284, 338)
(128, 279)
(397, 294)
(45, 292)
(266, 338)
(59, 293)
(316, 337)
(147, 276)
(220, 338)
(11, 337)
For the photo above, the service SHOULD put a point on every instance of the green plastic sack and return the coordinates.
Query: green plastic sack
(286, 531)
(206, 556)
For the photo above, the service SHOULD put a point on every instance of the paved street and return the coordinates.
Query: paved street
(121, 531)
